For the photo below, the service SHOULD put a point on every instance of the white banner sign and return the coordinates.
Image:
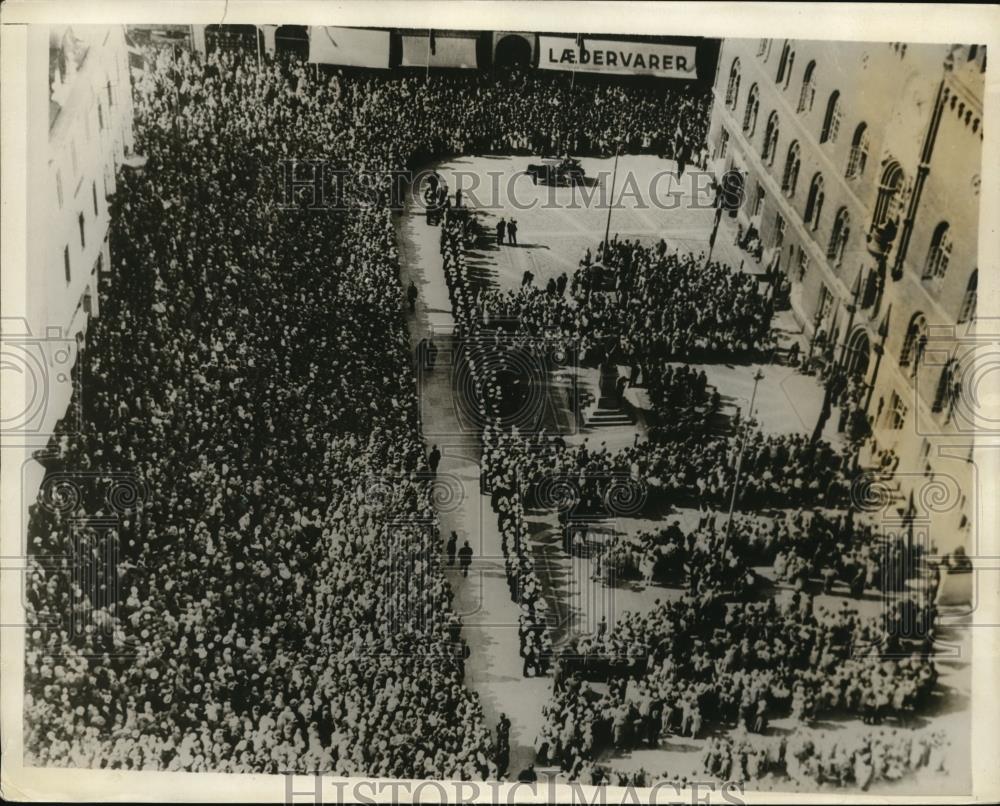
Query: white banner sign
(449, 51)
(353, 47)
(605, 56)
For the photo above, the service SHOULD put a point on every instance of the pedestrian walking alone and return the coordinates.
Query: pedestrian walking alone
(465, 558)
(434, 459)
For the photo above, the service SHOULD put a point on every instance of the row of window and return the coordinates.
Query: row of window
(82, 223)
(946, 395)
(858, 156)
(74, 157)
(939, 254)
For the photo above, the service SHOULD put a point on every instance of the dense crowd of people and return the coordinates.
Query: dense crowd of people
(669, 556)
(277, 604)
(680, 399)
(811, 759)
(698, 661)
(674, 305)
(837, 547)
(643, 304)
(777, 470)
(268, 553)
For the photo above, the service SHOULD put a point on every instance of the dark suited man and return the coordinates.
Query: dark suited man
(465, 558)
(501, 231)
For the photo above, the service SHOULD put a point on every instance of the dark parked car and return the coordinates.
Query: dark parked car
(554, 171)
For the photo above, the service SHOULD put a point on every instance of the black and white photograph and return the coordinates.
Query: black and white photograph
(550, 411)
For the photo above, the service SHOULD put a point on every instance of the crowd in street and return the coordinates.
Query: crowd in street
(273, 612)
(644, 304)
(836, 547)
(669, 556)
(786, 470)
(696, 662)
(814, 758)
(277, 602)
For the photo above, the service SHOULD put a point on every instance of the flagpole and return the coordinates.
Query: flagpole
(572, 73)
(607, 227)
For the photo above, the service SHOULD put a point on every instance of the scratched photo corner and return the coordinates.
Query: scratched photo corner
(501, 406)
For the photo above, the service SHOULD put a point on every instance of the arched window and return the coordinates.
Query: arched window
(838, 237)
(733, 88)
(858, 158)
(831, 121)
(784, 64)
(771, 138)
(762, 47)
(792, 163)
(814, 202)
(888, 190)
(750, 115)
(808, 92)
(939, 254)
(914, 343)
(968, 310)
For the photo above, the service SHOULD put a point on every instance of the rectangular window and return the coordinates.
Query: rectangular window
(66, 264)
(723, 143)
(779, 231)
(758, 206)
(59, 189)
(803, 264)
(83, 228)
(111, 99)
(100, 116)
(93, 188)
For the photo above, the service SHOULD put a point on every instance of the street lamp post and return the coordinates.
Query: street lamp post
(611, 202)
(715, 233)
(757, 378)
